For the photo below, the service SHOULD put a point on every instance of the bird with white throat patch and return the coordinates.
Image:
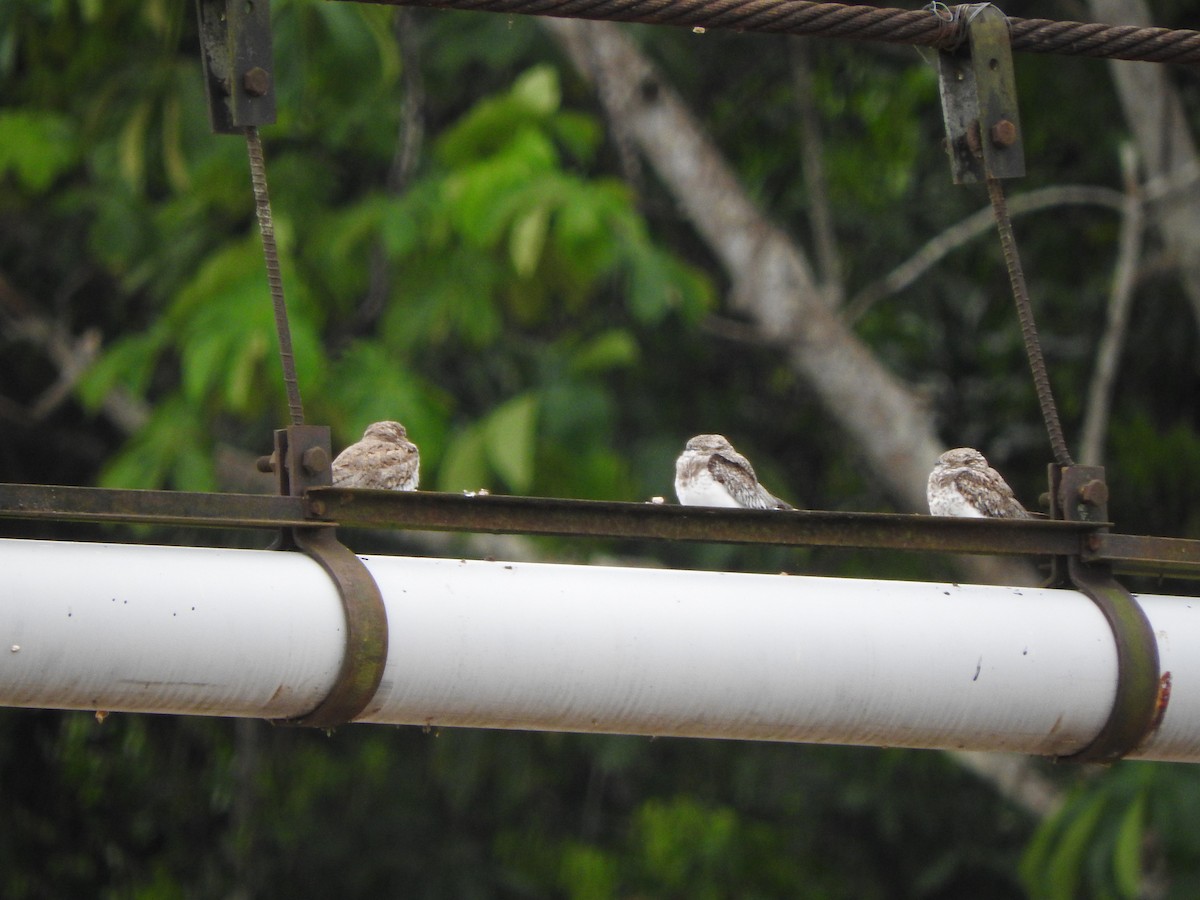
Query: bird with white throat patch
(710, 472)
(963, 484)
(385, 459)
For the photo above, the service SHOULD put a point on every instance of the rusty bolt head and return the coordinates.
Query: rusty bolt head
(315, 460)
(1093, 543)
(317, 507)
(257, 81)
(1093, 493)
(266, 464)
(1004, 133)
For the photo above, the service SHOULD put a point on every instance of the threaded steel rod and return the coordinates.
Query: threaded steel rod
(262, 207)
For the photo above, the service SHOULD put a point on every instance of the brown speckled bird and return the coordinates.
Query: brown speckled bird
(963, 484)
(385, 459)
(710, 472)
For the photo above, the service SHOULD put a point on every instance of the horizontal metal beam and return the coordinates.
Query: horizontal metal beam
(84, 504)
(428, 510)
(1141, 554)
(591, 518)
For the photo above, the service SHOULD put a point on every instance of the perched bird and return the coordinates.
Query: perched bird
(710, 472)
(384, 459)
(963, 484)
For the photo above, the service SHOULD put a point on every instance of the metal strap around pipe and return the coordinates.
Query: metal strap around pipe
(303, 460)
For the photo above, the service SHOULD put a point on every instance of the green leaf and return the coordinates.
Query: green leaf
(615, 348)
(649, 287)
(527, 239)
(173, 448)
(491, 124)
(510, 440)
(1127, 854)
(465, 467)
(37, 146)
(129, 362)
(132, 154)
(1053, 867)
(588, 873)
(538, 89)
(369, 384)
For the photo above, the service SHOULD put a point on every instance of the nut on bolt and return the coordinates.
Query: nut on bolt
(1003, 133)
(266, 464)
(1093, 493)
(315, 460)
(256, 81)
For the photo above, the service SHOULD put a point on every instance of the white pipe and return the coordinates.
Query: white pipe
(583, 648)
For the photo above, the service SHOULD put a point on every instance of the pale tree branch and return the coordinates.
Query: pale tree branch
(1016, 778)
(974, 226)
(812, 158)
(1120, 301)
(773, 282)
(1166, 149)
(71, 354)
(774, 287)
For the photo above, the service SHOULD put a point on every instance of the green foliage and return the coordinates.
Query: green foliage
(541, 325)
(37, 147)
(498, 233)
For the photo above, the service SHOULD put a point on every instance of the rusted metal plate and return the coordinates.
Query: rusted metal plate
(235, 49)
(979, 99)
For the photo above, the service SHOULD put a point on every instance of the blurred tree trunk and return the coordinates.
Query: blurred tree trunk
(773, 281)
(1156, 119)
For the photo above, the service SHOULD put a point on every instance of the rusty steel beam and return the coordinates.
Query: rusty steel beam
(500, 514)
(83, 504)
(529, 515)
(1145, 555)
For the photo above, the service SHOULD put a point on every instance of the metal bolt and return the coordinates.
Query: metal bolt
(1094, 492)
(1093, 543)
(266, 464)
(1004, 133)
(257, 81)
(317, 507)
(315, 460)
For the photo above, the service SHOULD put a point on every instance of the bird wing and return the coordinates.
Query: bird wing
(734, 472)
(988, 492)
(376, 464)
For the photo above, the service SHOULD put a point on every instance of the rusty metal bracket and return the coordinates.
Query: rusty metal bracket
(1079, 493)
(235, 51)
(979, 99)
(302, 460)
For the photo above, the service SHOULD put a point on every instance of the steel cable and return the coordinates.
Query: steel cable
(938, 26)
